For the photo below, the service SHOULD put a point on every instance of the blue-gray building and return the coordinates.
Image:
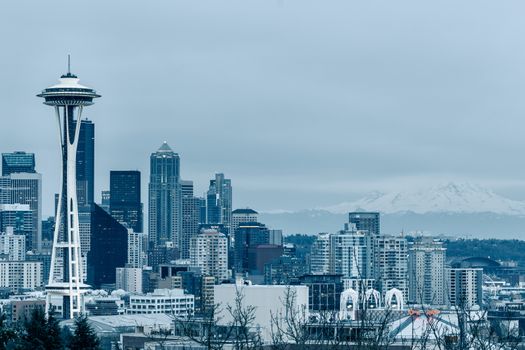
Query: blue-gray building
(219, 202)
(109, 248)
(165, 202)
(125, 201)
(365, 221)
(18, 162)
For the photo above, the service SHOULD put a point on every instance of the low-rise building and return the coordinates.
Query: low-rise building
(162, 301)
(267, 301)
(20, 275)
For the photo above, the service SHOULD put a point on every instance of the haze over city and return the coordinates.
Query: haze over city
(303, 104)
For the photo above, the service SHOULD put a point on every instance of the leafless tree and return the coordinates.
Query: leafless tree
(245, 335)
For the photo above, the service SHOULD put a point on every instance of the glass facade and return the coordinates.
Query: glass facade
(109, 248)
(125, 200)
(18, 162)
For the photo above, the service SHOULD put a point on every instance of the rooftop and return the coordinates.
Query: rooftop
(244, 211)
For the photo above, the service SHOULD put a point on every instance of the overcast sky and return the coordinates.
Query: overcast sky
(301, 103)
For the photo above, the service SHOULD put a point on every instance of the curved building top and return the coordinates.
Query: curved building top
(68, 92)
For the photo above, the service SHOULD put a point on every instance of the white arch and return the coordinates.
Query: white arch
(372, 293)
(348, 294)
(400, 302)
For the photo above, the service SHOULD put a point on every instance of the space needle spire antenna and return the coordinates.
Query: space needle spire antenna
(66, 276)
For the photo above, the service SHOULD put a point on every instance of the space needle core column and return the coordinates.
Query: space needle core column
(66, 279)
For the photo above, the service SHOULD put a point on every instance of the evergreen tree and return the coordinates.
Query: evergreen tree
(7, 334)
(54, 333)
(84, 337)
(40, 333)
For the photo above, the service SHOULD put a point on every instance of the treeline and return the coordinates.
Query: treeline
(39, 332)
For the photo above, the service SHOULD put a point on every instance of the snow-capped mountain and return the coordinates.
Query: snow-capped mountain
(458, 209)
(445, 198)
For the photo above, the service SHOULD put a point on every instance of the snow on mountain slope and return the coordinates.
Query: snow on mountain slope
(445, 198)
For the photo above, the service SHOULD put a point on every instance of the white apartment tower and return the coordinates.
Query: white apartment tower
(12, 246)
(464, 287)
(426, 267)
(391, 264)
(320, 254)
(351, 254)
(209, 252)
(137, 249)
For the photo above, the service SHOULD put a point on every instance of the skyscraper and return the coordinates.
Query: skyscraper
(25, 188)
(137, 249)
(248, 235)
(320, 254)
(391, 264)
(68, 99)
(209, 252)
(165, 204)
(85, 163)
(366, 221)
(464, 287)
(426, 272)
(18, 162)
(243, 215)
(124, 203)
(104, 203)
(190, 218)
(219, 202)
(351, 254)
(109, 248)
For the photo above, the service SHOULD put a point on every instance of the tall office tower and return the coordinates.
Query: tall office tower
(137, 249)
(366, 221)
(12, 246)
(124, 199)
(190, 218)
(25, 188)
(106, 200)
(209, 252)
(219, 201)
(243, 215)
(48, 227)
(426, 272)
(391, 264)
(19, 218)
(351, 254)
(109, 248)
(202, 210)
(18, 162)
(68, 99)
(165, 204)
(464, 287)
(320, 255)
(248, 235)
(276, 237)
(85, 163)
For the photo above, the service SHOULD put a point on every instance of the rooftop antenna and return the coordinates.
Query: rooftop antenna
(68, 64)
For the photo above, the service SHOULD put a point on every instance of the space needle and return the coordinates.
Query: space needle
(66, 278)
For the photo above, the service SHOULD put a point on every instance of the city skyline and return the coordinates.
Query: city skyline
(368, 113)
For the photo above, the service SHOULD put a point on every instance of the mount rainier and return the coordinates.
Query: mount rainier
(457, 209)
